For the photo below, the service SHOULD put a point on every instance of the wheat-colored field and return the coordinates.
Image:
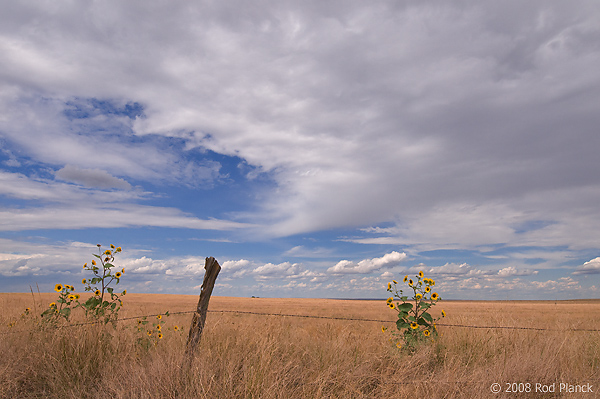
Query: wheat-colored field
(253, 356)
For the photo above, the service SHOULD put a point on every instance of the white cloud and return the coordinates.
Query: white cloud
(368, 265)
(589, 267)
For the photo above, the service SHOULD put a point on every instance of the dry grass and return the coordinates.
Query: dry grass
(250, 356)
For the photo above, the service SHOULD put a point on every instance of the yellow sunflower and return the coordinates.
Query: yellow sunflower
(392, 305)
(414, 325)
(84, 281)
(394, 281)
(149, 332)
(160, 336)
(418, 296)
(94, 262)
(427, 289)
(176, 328)
(118, 274)
(421, 273)
(382, 329)
(405, 278)
(71, 297)
(52, 305)
(427, 333)
(58, 287)
(389, 286)
(159, 317)
(443, 313)
(435, 296)
(398, 345)
(158, 327)
(97, 292)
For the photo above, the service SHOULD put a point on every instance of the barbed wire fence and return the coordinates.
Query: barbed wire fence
(139, 317)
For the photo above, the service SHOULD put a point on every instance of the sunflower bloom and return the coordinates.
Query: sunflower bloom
(58, 287)
(427, 289)
(123, 270)
(84, 265)
(405, 278)
(118, 274)
(398, 345)
(118, 249)
(394, 281)
(52, 305)
(432, 282)
(160, 336)
(159, 317)
(382, 329)
(77, 296)
(176, 328)
(414, 325)
(97, 292)
(443, 313)
(390, 299)
(124, 292)
(27, 310)
(392, 305)
(84, 281)
(410, 282)
(389, 286)
(158, 327)
(94, 262)
(421, 273)
(112, 246)
(149, 332)
(435, 296)
(71, 297)
(418, 296)
(426, 333)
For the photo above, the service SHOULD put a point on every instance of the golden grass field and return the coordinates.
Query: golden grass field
(251, 356)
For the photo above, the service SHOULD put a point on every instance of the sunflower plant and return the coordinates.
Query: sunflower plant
(105, 303)
(415, 324)
(152, 331)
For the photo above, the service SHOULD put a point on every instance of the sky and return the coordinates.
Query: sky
(315, 148)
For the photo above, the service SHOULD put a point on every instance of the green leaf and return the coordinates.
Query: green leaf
(96, 280)
(97, 256)
(405, 307)
(110, 290)
(108, 265)
(400, 324)
(66, 312)
(404, 298)
(427, 317)
(113, 305)
(411, 318)
(402, 315)
(424, 305)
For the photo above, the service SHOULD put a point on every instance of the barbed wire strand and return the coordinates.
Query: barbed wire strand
(315, 317)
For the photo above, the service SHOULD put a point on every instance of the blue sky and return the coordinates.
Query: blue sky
(316, 149)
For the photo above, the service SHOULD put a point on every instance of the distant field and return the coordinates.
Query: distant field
(254, 356)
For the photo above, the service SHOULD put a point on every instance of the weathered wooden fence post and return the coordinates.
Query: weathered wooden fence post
(210, 276)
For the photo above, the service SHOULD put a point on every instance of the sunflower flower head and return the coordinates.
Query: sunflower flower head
(159, 316)
(118, 274)
(443, 313)
(418, 296)
(405, 278)
(414, 325)
(160, 335)
(435, 296)
(389, 286)
(382, 329)
(84, 281)
(427, 289)
(58, 287)
(97, 292)
(421, 273)
(176, 328)
(426, 333)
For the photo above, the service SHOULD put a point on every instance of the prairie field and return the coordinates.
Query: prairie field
(258, 356)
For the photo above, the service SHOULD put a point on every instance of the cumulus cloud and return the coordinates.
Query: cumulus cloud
(589, 267)
(368, 265)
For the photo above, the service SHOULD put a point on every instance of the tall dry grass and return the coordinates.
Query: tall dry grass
(251, 356)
